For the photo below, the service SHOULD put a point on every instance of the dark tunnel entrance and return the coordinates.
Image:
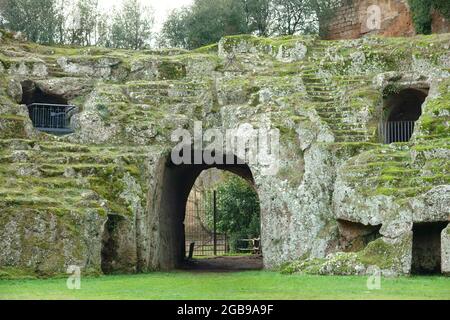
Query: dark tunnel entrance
(110, 244)
(33, 94)
(402, 110)
(178, 183)
(49, 113)
(426, 251)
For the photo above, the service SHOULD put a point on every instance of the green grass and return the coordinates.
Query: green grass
(243, 285)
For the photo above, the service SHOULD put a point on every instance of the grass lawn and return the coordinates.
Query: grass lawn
(242, 285)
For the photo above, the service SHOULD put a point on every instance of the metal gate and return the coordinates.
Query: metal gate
(53, 118)
(396, 131)
(201, 225)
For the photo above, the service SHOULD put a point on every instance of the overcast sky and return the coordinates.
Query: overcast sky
(161, 7)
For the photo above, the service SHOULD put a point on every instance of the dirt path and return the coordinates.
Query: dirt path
(225, 264)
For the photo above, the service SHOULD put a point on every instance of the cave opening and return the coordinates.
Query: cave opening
(31, 93)
(110, 244)
(402, 110)
(355, 236)
(175, 234)
(49, 113)
(426, 250)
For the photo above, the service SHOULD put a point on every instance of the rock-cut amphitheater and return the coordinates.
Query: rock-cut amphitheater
(86, 176)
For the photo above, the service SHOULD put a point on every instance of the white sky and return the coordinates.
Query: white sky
(161, 7)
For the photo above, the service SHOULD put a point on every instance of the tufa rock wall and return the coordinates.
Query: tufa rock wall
(108, 199)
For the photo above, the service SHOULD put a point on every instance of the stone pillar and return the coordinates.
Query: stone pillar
(445, 251)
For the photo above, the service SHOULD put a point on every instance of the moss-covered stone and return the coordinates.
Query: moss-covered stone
(325, 97)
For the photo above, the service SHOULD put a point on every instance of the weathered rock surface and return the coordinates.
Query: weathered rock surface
(445, 248)
(98, 198)
(67, 88)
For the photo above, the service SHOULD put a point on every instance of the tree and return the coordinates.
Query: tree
(205, 22)
(258, 15)
(60, 20)
(175, 31)
(131, 26)
(211, 20)
(292, 16)
(238, 209)
(422, 10)
(84, 22)
(103, 31)
(443, 7)
(323, 10)
(35, 18)
(2, 9)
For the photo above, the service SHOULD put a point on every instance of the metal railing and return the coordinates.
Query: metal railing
(52, 118)
(396, 131)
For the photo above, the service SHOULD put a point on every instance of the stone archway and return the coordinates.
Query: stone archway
(176, 184)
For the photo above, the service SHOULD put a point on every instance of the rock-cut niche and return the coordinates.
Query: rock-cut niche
(426, 251)
(49, 112)
(402, 110)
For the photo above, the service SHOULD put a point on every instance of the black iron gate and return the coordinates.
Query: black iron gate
(201, 225)
(396, 131)
(53, 118)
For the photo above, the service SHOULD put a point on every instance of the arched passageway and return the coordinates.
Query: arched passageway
(402, 110)
(177, 183)
(222, 224)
